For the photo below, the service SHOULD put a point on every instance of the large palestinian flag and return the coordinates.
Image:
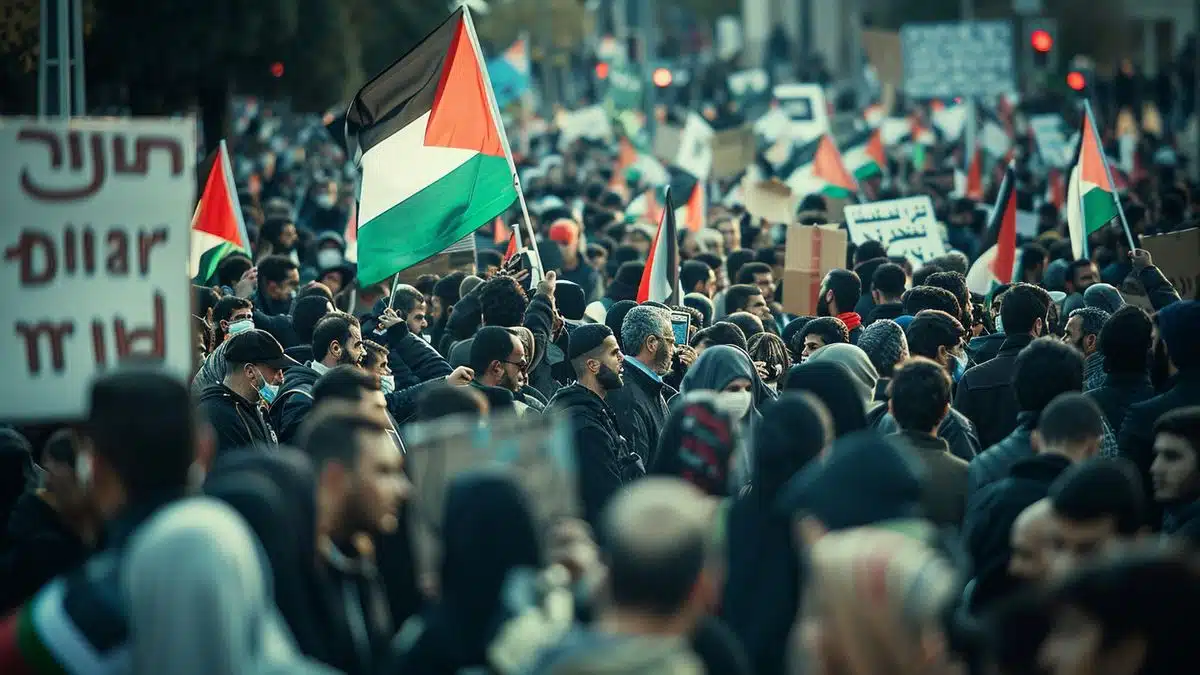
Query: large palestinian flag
(217, 225)
(434, 159)
(1092, 198)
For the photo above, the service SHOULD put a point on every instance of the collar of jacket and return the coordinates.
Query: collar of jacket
(922, 441)
(494, 394)
(1015, 343)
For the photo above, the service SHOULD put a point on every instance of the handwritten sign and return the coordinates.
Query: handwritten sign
(1177, 255)
(960, 58)
(906, 227)
(95, 255)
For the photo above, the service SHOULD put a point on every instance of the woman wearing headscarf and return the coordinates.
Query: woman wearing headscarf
(489, 542)
(762, 583)
(837, 388)
(877, 602)
(729, 372)
(200, 598)
(859, 365)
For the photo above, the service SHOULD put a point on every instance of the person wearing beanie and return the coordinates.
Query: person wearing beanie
(1103, 296)
(603, 462)
(885, 345)
(565, 233)
(570, 299)
(1179, 337)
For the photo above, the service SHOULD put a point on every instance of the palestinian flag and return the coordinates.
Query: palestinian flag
(434, 159)
(996, 264)
(1094, 202)
(864, 154)
(45, 638)
(825, 172)
(693, 213)
(217, 225)
(974, 187)
(660, 280)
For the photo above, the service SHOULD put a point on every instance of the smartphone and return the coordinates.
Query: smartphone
(681, 324)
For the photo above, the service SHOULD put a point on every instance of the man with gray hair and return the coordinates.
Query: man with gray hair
(641, 406)
(1083, 333)
(655, 539)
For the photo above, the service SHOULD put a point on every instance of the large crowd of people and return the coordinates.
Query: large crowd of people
(916, 479)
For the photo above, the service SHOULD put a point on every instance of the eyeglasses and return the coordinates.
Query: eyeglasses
(520, 364)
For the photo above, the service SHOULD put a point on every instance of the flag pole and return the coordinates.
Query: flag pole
(1087, 106)
(672, 246)
(536, 274)
(395, 285)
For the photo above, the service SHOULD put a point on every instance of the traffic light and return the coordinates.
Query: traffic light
(1077, 81)
(277, 69)
(1042, 42)
(662, 77)
(602, 70)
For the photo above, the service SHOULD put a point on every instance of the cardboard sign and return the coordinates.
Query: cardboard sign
(885, 55)
(460, 256)
(906, 227)
(536, 451)
(98, 217)
(770, 200)
(959, 58)
(804, 105)
(811, 253)
(733, 151)
(1177, 256)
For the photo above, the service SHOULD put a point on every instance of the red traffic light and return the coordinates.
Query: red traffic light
(602, 71)
(662, 77)
(277, 69)
(1041, 40)
(1076, 80)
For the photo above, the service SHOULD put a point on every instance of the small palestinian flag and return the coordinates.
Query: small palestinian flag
(825, 173)
(217, 225)
(1091, 197)
(660, 279)
(435, 162)
(864, 154)
(998, 260)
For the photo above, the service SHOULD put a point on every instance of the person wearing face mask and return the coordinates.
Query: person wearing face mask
(730, 372)
(254, 370)
(603, 460)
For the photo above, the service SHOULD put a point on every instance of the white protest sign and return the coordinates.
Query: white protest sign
(958, 58)
(590, 122)
(95, 255)
(1051, 138)
(695, 147)
(804, 105)
(906, 227)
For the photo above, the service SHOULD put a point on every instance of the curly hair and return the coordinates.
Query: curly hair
(770, 349)
(502, 301)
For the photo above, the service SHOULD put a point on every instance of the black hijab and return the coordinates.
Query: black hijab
(835, 386)
(763, 579)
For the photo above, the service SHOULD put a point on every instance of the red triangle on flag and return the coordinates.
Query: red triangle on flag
(975, 175)
(1006, 229)
(695, 208)
(501, 231)
(875, 149)
(828, 166)
(462, 111)
(218, 212)
(512, 249)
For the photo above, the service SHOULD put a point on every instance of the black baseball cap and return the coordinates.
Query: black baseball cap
(259, 347)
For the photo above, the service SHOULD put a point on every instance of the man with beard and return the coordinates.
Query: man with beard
(360, 488)
(603, 460)
(641, 406)
(839, 294)
(499, 361)
(1083, 333)
(1081, 274)
(337, 340)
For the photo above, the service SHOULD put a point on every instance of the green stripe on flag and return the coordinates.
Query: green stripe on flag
(431, 220)
(867, 170)
(211, 259)
(836, 192)
(1098, 209)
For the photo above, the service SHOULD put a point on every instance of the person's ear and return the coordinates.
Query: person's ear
(1089, 342)
(224, 325)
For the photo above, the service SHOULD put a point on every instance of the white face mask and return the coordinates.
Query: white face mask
(388, 383)
(328, 258)
(325, 200)
(240, 326)
(736, 402)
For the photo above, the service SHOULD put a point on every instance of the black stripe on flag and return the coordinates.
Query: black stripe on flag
(403, 92)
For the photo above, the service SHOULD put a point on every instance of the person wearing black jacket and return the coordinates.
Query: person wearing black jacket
(1070, 431)
(278, 280)
(411, 359)
(1042, 371)
(641, 405)
(337, 340)
(887, 289)
(603, 460)
(985, 392)
(1125, 342)
(254, 370)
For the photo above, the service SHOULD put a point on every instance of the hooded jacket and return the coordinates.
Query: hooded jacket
(294, 401)
(714, 370)
(237, 423)
(836, 387)
(603, 460)
(859, 366)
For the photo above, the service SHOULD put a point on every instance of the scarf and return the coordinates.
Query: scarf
(851, 319)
